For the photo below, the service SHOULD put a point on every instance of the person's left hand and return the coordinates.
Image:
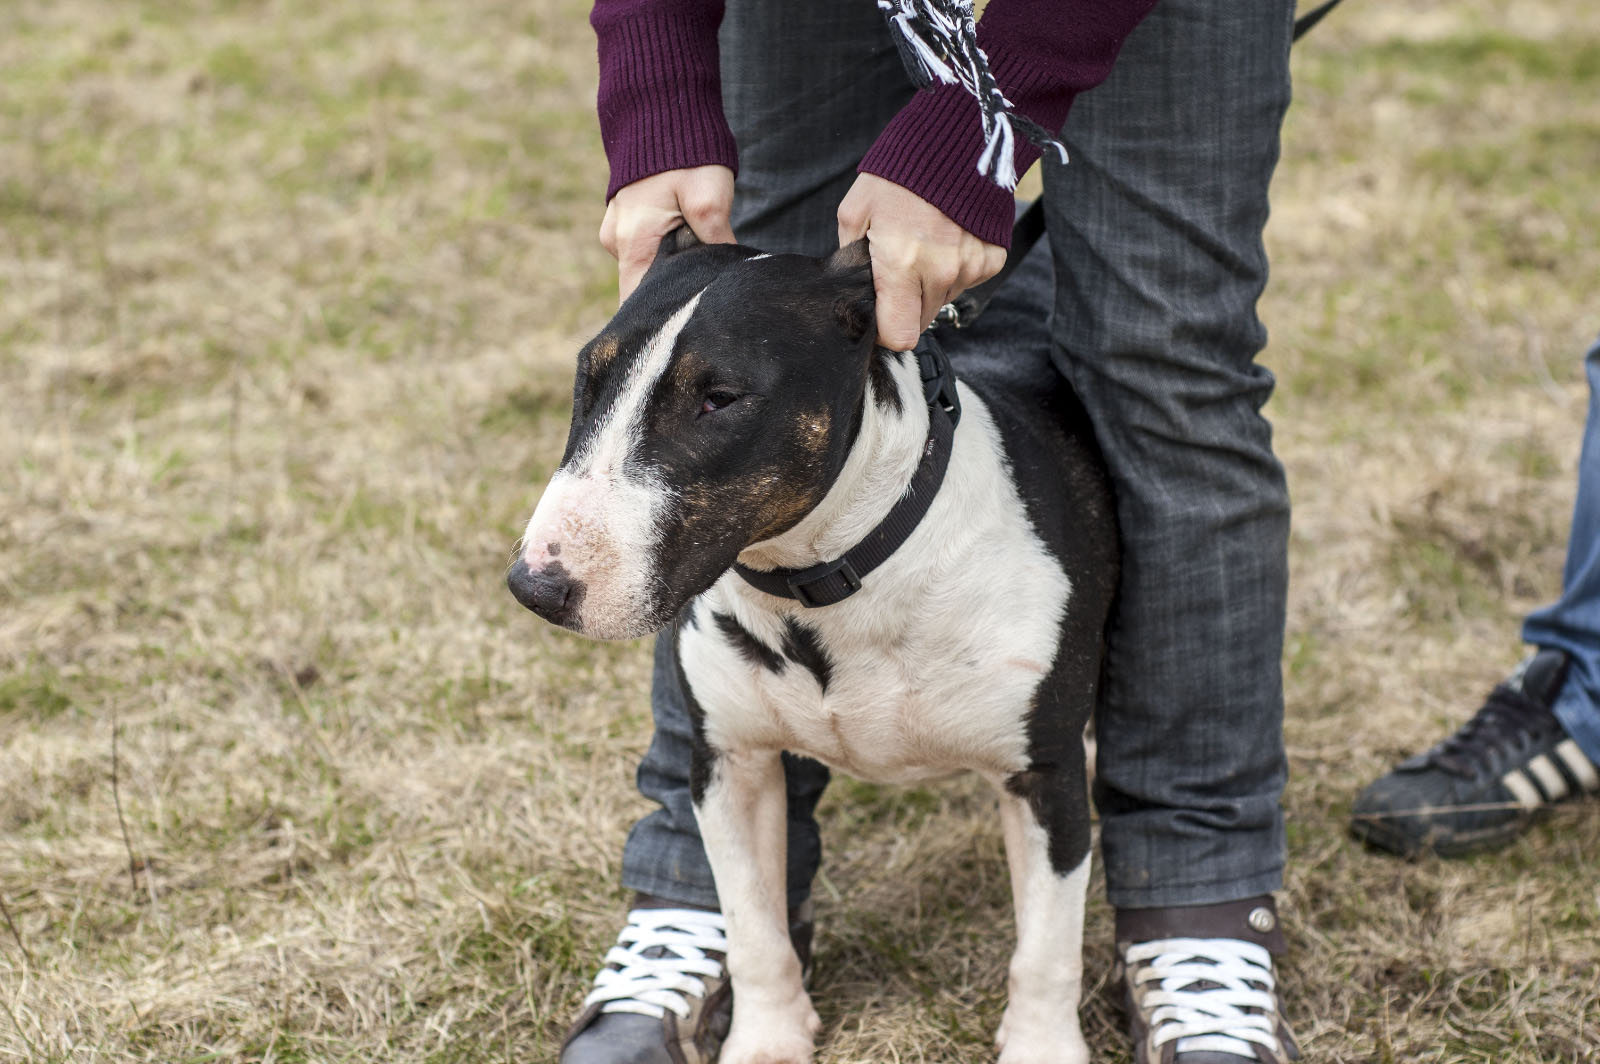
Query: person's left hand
(921, 260)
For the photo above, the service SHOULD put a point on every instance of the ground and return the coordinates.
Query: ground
(289, 297)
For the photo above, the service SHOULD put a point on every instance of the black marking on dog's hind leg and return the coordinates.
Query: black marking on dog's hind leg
(749, 647)
(1057, 796)
(802, 646)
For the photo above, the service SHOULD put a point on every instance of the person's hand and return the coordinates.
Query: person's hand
(641, 213)
(920, 258)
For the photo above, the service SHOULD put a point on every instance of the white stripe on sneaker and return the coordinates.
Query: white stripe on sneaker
(1551, 781)
(1526, 793)
(1583, 769)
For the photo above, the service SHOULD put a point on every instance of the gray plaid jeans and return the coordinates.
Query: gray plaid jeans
(1155, 226)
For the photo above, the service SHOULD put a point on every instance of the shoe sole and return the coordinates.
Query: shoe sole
(1381, 835)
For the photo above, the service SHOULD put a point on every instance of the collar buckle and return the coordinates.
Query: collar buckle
(808, 588)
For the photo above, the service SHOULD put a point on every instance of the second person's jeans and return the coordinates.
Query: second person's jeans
(1572, 622)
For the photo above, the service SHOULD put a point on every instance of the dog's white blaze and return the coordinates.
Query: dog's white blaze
(615, 439)
(601, 511)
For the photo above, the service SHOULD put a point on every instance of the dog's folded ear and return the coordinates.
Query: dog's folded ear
(850, 268)
(680, 239)
(675, 242)
(851, 258)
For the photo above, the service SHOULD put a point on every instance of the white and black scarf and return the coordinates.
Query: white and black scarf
(938, 41)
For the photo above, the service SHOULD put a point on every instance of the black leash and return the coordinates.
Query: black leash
(1312, 17)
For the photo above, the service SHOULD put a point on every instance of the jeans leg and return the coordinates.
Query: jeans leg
(807, 87)
(1156, 225)
(1572, 623)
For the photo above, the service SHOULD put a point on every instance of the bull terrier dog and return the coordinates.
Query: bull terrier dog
(865, 562)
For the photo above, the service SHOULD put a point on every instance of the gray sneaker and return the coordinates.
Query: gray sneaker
(663, 995)
(1485, 784)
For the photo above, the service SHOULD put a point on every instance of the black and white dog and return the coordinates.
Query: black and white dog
(735, 434)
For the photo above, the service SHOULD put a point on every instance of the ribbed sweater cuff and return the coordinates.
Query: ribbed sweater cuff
(660, 98)
(932, 147)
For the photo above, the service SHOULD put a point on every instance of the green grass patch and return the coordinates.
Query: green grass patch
(1496, 56)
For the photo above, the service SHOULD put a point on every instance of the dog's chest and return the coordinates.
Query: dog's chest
(948, 693)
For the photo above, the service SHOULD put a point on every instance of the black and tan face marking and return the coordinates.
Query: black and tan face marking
(714, 411)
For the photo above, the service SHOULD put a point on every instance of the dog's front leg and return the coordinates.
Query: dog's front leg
(743, 815)
(1041, 1020)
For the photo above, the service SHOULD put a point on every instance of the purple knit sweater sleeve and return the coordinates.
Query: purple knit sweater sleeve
(660, 96)
(660, 99)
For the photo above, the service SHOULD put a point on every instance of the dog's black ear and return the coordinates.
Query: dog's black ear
(680, 239)
(850, 268)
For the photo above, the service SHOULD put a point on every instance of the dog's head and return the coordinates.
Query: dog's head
(714, 411)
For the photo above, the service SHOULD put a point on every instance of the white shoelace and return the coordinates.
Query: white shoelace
(1199, 989)
(650, 985)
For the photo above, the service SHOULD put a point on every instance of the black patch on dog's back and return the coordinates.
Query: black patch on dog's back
(749, 647)
(802, 646)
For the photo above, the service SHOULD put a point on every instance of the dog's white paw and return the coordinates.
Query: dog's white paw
(765, 1037)
(1059, 1053)
(1039, 1046)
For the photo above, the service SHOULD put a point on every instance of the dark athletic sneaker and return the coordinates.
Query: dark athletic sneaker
(1199, 986)
(663, 996)
(1482, 786)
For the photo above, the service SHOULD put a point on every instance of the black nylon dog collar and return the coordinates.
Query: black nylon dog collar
(836, 580)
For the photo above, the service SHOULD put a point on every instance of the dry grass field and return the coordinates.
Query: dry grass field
(289, 294)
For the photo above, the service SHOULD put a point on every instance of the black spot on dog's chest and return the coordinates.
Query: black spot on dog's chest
(749, 647)
(801, 645)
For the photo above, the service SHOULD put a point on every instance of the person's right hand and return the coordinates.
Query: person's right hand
(641, 213)
(921, 258)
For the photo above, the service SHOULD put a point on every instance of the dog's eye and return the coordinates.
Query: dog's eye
(716, 401)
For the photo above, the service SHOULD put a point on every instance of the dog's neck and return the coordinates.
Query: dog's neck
(887, 450)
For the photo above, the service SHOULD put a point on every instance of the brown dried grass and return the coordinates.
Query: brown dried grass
(288, 298)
